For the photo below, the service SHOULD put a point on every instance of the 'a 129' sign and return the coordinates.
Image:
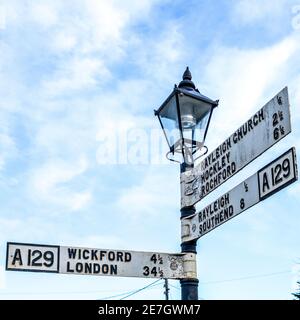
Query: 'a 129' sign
(278, 174)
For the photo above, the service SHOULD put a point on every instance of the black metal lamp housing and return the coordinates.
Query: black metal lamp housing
(185, 118)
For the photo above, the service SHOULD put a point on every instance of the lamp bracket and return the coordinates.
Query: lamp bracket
(188, 149)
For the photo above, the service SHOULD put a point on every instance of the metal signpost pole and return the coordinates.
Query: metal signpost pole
(189, 287)
(186, 112)
(166, 286)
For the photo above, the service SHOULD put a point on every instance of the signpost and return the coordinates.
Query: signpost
(278, 174)
(265, 128)
(101, 262)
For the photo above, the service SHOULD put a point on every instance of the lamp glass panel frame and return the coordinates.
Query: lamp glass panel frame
(174, 115)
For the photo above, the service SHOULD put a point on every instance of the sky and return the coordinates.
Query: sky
(82, 155)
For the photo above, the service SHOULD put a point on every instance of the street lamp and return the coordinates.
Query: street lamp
(184, 117)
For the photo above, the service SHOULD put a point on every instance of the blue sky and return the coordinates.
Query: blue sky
(73, 73)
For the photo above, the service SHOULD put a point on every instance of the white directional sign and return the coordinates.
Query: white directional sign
(260, 132)
(101, 262)
(270, 179)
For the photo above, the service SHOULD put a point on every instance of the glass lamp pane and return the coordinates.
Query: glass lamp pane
(169, 119)
(192, 107)
(200, 128)
(196, 132)
(194, 117)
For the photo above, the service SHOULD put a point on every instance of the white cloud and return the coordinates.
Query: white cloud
(45, 14)
(9, 224)
(51, 184)
(251, 11)
(64, 41)
(294, 92)
(107, 19)
(76, 74)
(159, 57)
(157, 192)
(242, 78)
(12, 229)
(13, 13)
(98, 26)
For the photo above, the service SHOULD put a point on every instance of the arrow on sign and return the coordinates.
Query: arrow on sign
(265, 128)
(101, 262)
(278, 174)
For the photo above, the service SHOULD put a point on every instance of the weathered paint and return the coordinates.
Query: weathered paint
(278, 174)
(101, 262)
(265, 128)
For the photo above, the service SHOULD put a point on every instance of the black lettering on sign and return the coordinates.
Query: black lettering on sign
(127, 257)
(17, 258)
(242, 203)
(276, 133)
(146, 271)
(275, 119)
(156, 258)
(153, 258)
(266, 185)
(275, 176)
(286, 168)
(120, 256)
(153, 272)
(72, 253)
(49, 258)
(32, 257)
(36, 255)
(85, 254)
(38, 259)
